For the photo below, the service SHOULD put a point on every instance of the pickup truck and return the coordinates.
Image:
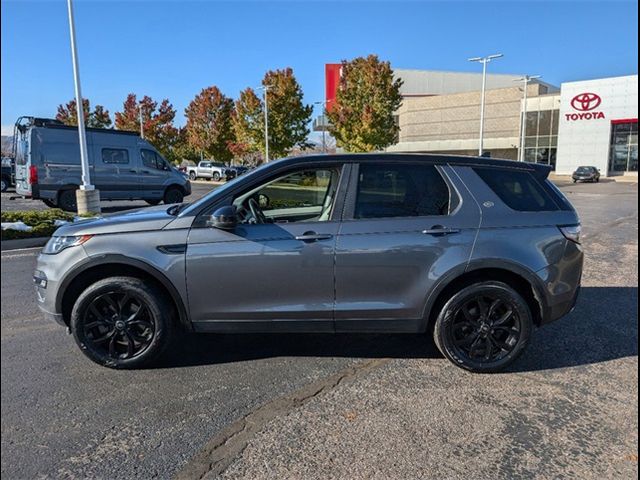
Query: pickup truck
(8, 173)
(207, 169)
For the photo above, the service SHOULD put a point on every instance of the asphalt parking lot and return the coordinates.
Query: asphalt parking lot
(348, 406)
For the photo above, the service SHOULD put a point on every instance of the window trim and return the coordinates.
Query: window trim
(128, 162)
(352, 194)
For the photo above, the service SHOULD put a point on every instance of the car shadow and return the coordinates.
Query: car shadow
(603, 327)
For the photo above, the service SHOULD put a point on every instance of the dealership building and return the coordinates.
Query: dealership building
(591, 122)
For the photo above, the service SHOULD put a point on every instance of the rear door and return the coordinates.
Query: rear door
(116, 168)
(405, 225)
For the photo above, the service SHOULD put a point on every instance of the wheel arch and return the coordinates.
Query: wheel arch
(115, 265)
(525, 282)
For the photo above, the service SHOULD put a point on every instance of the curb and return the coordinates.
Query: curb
(23, 243)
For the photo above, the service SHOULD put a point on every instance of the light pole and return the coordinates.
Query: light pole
(324, 112)
(483, 61)
(87, 197)
(266, 123)
(141, 124)
(523, 120)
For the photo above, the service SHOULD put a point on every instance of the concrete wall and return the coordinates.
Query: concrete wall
(586, 141)
(451, 123)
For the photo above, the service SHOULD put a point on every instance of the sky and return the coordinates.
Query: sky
(173, 49)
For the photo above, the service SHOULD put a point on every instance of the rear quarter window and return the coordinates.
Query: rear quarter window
(519, 190)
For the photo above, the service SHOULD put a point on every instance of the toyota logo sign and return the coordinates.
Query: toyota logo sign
(585, 102)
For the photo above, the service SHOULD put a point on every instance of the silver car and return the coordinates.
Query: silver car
(477, 251)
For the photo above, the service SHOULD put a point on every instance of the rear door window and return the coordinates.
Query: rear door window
(401, 190)
(118, 156)
(517, 189)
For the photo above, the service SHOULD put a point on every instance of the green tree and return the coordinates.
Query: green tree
(157, 122)
(362, 116)
(68, 114)
(182, 149)
(209, 124)
(289, 117)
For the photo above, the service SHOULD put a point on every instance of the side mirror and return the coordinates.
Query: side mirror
(224, 218)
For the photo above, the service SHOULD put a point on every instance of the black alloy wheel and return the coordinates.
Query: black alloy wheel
(173, 195)
(484, 327)
(121, 322)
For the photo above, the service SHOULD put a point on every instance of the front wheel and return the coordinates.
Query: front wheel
(49, 203)
(153, 202)
(122, 322)
(173, 195)
(216, 177)
(484, 327)
(67, 201)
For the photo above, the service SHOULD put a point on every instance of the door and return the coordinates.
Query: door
(116, 171)
(275, 271)
(405, 225)
(154, 174)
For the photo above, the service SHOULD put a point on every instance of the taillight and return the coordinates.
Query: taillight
(33, 174)
(571, 232)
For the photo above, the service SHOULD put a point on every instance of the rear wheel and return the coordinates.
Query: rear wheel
(4, 184)
(484, 327)
(67, 201)
(192, 175)
(49, 203)
(173, 195)
(122, 322)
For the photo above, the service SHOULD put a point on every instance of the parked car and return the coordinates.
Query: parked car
(586, 174)
(208, 170)
(233, 172)
(122, 165)
(478, 251)
(8, 173)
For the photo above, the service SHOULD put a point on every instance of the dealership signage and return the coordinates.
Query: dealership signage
(585, 104)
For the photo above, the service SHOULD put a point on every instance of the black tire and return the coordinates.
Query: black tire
(193, 176)
(216, 177)
(502, 336)
(4, 184)
(153, 202)
(173, 195)
(102, 325)
(67, 201)
(49, 203)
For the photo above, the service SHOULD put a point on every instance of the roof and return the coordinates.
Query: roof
(540, 170)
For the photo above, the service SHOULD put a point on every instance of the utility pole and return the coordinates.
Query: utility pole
(324, 128)
(266, 123)
(87, 197)
(483, 61)
(523, 120)
(141, 123)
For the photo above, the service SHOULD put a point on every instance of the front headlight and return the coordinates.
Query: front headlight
(57, 244)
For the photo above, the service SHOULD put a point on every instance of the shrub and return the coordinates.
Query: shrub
(41, 221)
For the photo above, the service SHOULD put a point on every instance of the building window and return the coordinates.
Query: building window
(623, 156)
(541, 137)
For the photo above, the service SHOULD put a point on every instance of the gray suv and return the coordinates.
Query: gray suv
(476, 251)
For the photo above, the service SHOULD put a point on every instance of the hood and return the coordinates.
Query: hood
(140, 220)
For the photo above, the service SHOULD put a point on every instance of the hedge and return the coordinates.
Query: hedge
(41, 221)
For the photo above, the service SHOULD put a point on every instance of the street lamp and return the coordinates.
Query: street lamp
(266, 88)
(324, 115)
(87, 197)
(141, 124)
(523, 120)
(483, 61)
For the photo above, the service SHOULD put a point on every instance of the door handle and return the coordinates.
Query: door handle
(439, 230)
(313, 237)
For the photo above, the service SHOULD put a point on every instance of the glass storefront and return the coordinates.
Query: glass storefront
(623, 156)
(541, 137)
